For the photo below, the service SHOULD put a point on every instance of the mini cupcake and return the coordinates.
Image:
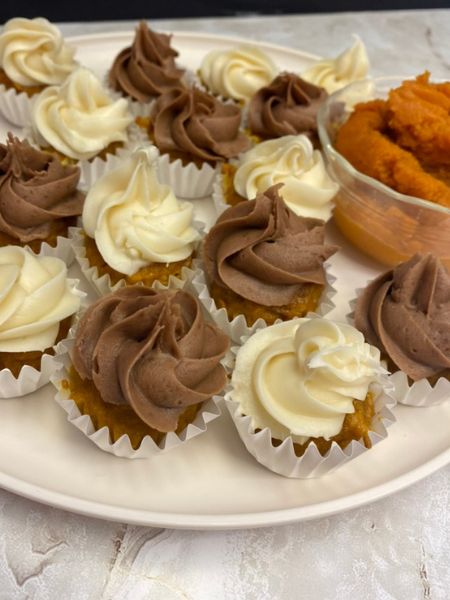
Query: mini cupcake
(405, 312)
(237, 73)
(263, 261)
(39, 199)
(36, 306)
(136, 231)
(147, 68)
(145, 365)
(33, 55)
(291, 160)
(332, 74)
(194, 132)
(79, 121)
(307, 396)
(288, 106)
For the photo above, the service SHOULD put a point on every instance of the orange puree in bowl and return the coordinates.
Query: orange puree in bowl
(403, 141)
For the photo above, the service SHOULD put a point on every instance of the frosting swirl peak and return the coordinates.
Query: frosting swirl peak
(287, 106)
(33, 53)
(150, 350)
(36, 190)
(147, 68)
(406, 313)
(264, 252)
(197, 125)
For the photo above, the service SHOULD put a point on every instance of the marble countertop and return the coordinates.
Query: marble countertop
(397, 548)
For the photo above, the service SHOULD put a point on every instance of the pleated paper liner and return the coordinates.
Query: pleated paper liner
(102, 438)
(102, 282)
(419, 393)
(237, 328)
(282, 458)
(15, 106)
(29, 378)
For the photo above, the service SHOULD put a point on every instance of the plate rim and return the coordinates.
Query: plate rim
(224, 521)
(218, 521)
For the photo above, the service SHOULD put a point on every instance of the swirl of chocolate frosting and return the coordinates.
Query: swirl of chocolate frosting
(146, 68)
(288, 106)
(405, 312)
(35, 191)
(198, 125)
(264, 252)
(152, 351)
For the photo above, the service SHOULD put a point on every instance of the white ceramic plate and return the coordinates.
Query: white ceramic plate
(212, 482)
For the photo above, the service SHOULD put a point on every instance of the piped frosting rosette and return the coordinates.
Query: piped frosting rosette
(33, 55)
(405, 312)
(36, 296)
(236, 73)
(332, 74)
(146, 69)
(39, 197)
(300, 393)
(264, 253)
(194, 131)
(83, 124)
(135, 221)
(291, 160)
(167, 359)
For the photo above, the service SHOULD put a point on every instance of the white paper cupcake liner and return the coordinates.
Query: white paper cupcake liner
(237, 328)
(283, 460)
(420, 393)
(102, 283)
(30, 379)
(187, 182)
(15, 106)
(122, 447)
(62, 250)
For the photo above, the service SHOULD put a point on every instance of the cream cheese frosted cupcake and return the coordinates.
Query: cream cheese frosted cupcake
(287, 106)
(39, 199)
(332, 74)
(79, 121)
(307, 388)
(291, 160)
(405, 312)
(164, 369)
(136, 231)
(147, 68)
(263, 261)
(37, 301)
(237, 73)
(33, 55)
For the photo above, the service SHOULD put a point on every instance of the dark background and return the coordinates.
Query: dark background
(104, 10)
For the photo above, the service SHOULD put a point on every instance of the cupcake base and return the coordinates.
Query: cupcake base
(58, 229)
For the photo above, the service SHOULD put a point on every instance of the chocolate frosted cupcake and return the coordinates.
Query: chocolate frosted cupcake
(39, 198)
(287, 106)
(265, 262)
(144, 364)
(147, 68)
(194, 131)
(405, 312)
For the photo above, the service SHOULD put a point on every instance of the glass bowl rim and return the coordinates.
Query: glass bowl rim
(329, 149)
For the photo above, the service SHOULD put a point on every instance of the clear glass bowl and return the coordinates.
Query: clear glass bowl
(387, 225)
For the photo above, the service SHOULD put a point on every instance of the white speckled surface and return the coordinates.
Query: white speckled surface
(398, 548)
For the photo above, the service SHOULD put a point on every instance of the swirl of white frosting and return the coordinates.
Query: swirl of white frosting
(135, 220)
(299, 378)
(80, 119)
(335, 73)
(33, 52)
(35, 296)
(308, 190)
(237, 73)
